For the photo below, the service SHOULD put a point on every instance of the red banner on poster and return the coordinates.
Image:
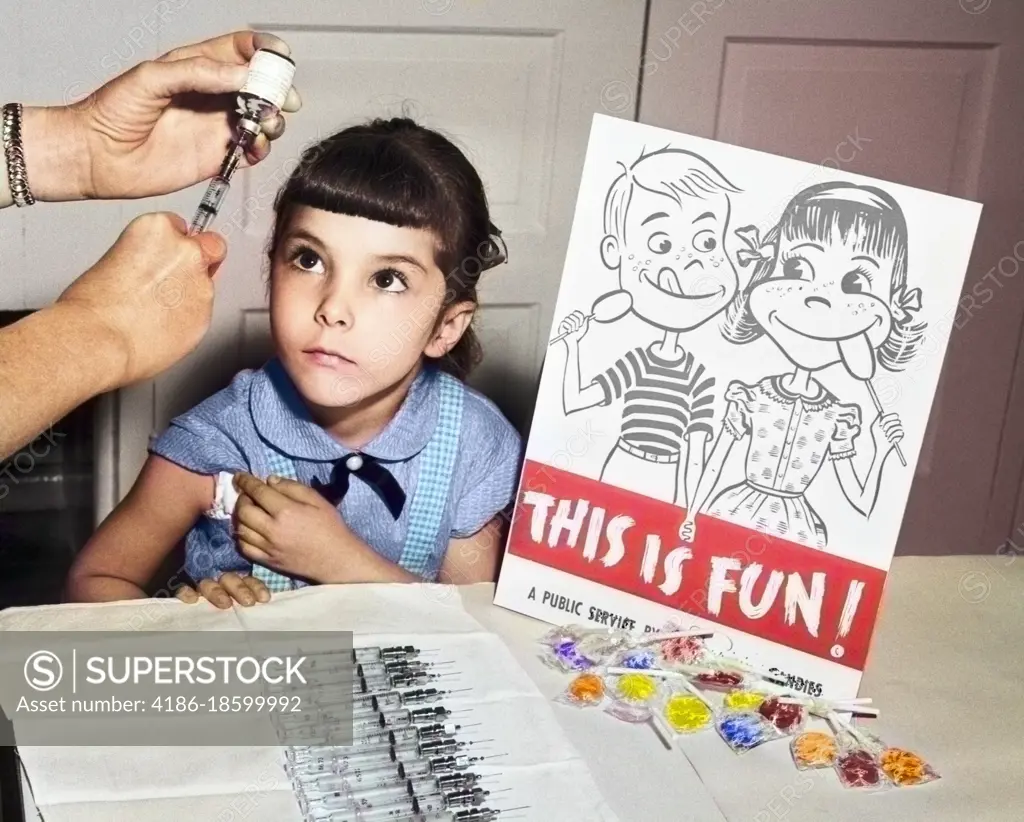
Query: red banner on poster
(781, 591)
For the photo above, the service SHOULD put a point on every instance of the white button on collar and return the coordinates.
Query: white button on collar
(354, 463)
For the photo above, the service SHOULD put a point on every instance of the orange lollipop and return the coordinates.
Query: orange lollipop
(587, 689)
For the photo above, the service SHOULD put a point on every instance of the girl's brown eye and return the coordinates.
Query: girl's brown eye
(390, 280)
(306, 259)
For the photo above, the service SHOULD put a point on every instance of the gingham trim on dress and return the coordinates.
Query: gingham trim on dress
(433, 484)
(437, 461)
(275, 582)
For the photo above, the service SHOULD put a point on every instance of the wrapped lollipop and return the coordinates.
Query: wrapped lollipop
(900, 767)
(684, 710)
(635, 691)
(744, 730)
(586, 690)
(743, 699)
(814, 749)
(905, 768)
(562, 650)
(604, 644)
(637, 659)
(719, 679)
(858, 768)
(732, 674)
(681, 650)
(857, 764)
(786, 717)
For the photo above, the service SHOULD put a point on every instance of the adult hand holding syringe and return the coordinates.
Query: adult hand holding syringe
(148, 302)
(266, 90)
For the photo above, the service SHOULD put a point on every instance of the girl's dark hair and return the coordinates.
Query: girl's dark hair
(401, 173)
(849, 210)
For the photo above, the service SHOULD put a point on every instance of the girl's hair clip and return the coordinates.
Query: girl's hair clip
(756, 250)
(496, 251)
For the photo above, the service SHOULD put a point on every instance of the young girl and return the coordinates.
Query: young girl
(380, 464)
(830, 286)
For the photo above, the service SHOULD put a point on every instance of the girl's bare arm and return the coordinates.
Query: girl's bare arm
(475, 558)
(129, 547)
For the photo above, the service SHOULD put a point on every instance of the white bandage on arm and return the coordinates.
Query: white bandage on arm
(224, 497)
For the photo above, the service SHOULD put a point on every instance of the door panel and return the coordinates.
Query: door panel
(513, 84)
(921, 93)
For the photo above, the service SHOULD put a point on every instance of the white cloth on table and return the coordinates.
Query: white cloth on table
(539, 765)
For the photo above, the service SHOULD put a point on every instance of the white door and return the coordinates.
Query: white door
(514, 83)
(920, 92)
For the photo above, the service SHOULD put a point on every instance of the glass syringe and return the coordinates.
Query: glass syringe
(264, 93)
(219, 186)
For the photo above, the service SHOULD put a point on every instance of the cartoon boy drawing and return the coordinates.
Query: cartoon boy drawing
(665, 220)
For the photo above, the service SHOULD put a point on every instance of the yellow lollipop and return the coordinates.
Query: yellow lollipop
(687, 713)
(636, 687)
(743, 700)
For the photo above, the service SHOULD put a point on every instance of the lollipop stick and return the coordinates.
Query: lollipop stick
(693, 690)
(660, 637)
(566, 334)
(878, 407)
(662, 732)
(656, 672)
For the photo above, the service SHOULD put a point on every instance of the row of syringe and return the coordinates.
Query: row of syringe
(400, 761)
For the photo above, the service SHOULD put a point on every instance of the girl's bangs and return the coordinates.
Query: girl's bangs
(371, 180)
(878, 233)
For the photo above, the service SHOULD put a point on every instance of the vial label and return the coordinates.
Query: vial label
(270, 77)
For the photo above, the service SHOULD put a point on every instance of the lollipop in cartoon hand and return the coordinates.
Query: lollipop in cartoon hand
(607, 309)
(859, 360)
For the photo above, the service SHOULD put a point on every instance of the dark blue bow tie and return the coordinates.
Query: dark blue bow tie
(369, 471)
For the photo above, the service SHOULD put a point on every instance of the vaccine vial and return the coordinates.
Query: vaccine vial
(266, 88)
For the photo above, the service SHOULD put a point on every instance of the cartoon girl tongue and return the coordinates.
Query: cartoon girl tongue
(857, 356)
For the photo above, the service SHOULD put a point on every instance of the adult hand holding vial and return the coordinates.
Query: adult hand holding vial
(154, 129)
(150, 131)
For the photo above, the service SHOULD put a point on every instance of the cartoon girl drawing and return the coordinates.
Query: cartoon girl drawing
(829, 286)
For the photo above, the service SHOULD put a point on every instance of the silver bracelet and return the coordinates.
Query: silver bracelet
(14, 154)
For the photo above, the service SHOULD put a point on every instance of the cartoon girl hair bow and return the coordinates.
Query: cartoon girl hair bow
(756, 250)
(905, 302)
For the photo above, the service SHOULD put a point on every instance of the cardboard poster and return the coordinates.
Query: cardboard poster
(743, 358)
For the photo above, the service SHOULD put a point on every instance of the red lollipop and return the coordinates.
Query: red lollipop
(858, 769)
(719, 680)
(781, 715)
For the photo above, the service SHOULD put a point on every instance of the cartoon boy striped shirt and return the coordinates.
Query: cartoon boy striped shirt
(665, 401)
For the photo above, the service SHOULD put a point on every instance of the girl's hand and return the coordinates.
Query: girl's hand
(231, 587)
(288, 526)
(886, 431)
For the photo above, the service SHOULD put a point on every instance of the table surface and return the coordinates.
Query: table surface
(945, 671)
